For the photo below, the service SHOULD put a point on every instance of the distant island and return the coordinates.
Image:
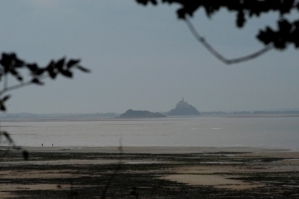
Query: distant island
(140, 114)
(183, 108)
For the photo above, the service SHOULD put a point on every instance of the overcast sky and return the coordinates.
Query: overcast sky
(143, 58)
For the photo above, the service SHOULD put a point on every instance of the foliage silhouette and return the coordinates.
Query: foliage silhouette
(11, 65)
(287, 32)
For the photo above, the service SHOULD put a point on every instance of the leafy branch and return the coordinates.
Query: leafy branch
(11, 142)
(286, 33)
(11, 65)
(219, 56)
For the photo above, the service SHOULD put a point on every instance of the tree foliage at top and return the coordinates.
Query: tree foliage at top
(286, 33)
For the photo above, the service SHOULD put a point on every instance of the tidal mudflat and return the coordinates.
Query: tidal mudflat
(150, 172)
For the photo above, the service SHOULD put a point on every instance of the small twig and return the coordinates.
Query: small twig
(4, 155)
(220, 56)
(7, 89)
(5, 82)
(17, 86)
(13, 146)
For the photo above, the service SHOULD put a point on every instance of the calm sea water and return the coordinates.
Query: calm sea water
(270, 132)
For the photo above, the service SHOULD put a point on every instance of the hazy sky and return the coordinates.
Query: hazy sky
(143, 58)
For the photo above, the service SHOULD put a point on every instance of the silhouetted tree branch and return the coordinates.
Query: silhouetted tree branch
(220, 56)
(287, 31)
(11, 65)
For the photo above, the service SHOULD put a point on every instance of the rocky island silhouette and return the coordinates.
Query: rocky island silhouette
(140, 114)
(183, 108)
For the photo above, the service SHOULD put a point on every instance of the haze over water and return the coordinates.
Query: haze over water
(270, 132)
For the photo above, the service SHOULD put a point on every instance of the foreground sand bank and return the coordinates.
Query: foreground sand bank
(218, 171)
(155, 150)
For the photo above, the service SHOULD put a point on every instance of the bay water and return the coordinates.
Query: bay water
(269, 132)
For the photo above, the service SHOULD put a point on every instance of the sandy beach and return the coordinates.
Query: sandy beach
(155, 150)
(214, 172)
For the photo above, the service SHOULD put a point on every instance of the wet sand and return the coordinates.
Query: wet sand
(156, 150)
(229, 168)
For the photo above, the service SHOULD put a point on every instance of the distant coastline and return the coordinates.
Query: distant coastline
(181, 109)
(115, 116)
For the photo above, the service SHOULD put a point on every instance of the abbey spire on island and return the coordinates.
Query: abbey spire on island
(182, 108)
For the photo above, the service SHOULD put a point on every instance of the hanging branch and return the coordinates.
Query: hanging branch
(11, 65)
(10, 88)
(220, 56)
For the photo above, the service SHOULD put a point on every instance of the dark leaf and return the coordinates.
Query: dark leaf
(32, 67)
(13, 71)
(10, 61)
(52, 74)
(2, 107)
(295, 37)
(18, 62)
(39, 71)
(83, 69)
(50, 65)
(13, 56)
(5, 98)
(19, 78)
(59, 65)
(280, 44)
(144, 2)
(5, 61)
(72, 62)
(37, 81)
(51, 69)
(154, 2)
(240, 19)
(266, 36)
(181, 13)
(284, 26)
(67, 73)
